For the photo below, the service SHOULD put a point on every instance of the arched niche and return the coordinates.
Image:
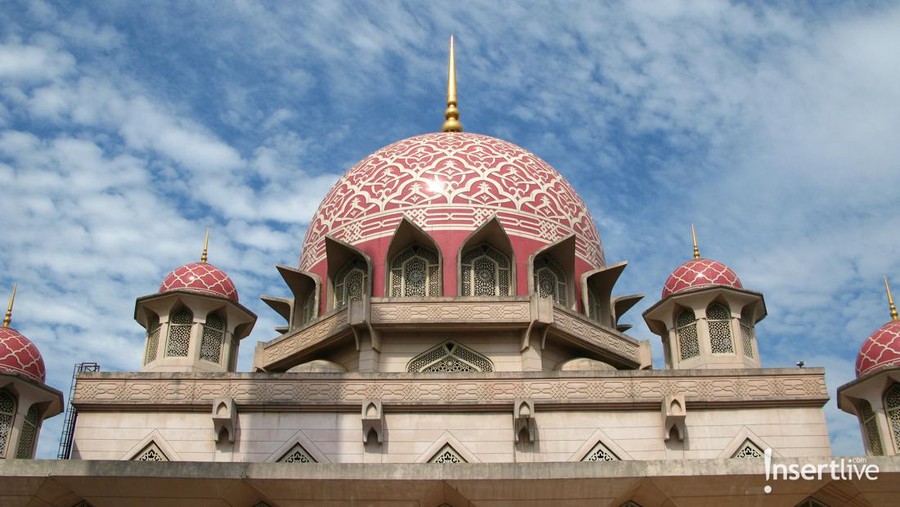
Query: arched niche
(492, 235)
(407, 238)
(562, 255)
(340, 257)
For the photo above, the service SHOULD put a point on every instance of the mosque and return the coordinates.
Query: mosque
(452, 336)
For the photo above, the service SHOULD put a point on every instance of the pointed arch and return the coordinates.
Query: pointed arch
(31, 425)
(892, 412)
(413, 263)
(746, 444)
(178, 338)
(449, 357)
(212, 338)
(599, 447)
(552, 272)
(488, 250)
(153, 447)
(870, 429)
(349, 273)
(297, 448)
(596, 292)
(153, 327)
(686, 334)
(718, 319)
(7, 419)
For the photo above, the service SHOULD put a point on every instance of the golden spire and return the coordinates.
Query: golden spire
(451, 114)
(694, 238)
(205, 247)
(890, 300)
(12, 298)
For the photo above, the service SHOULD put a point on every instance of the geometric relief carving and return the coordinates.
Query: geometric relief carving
(296, 454)
(748, 450)
(151, 452)
(447, 455)
(600, 453)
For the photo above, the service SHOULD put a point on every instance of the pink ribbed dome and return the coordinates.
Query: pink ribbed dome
(19, 355)
(880, 350)
(698, 273)
(200, 277)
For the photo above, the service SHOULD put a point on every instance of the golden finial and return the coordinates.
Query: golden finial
(694, 238)
(890, 300)
(205, 247)
(451, 114)
(12, 299)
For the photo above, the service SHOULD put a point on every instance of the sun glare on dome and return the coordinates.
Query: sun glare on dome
(436, 185)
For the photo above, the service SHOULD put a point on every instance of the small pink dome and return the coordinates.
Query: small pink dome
(700, 273)
(200, 277)
(19, 355)
(880, 350)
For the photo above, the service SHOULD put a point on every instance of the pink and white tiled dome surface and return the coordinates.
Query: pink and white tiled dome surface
(19, 355)
(880, 350)
(700, 273)
(452, 181)
(200, 277)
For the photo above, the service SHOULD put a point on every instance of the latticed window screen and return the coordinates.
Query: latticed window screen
(748, 450)
(213, 338)
(550, 281)
(747, 336)
(415, 272)
(179, 333)
(485, 272)
(350, 284)
(447, 455)
(151, 452)
(892, 411)
(719, 320)
(28, 435)
(152, 339)
(600, 453)
(686, 331)
(870, 424)
(594, 310)
(296, 454)
(7, 415)
(449, 357)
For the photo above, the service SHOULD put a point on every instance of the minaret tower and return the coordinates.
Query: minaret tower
(195, 322)
(706, 318)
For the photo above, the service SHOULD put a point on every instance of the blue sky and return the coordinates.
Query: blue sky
(128, 128)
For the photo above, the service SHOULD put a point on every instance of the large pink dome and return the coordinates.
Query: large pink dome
(19, 355)
(880, 350)
(200, 277)
(449, 183)
(698, 273)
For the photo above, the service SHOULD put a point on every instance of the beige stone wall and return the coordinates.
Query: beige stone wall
(563, 435)
(502, 348)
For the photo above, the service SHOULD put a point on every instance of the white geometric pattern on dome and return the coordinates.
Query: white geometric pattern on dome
(472, 173)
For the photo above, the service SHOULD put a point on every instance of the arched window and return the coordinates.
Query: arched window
(719, 320)
(350, 283)
(594, 310)
(213, 339)
(449, 357)
(152, 339)
(485, 272)
(179, 333)
(686, 332)
(892, 411)
(308, 309)
(28, 435)
(7, 417)
(550, 281)
(747, 335)
(415, 272)
(870, 425)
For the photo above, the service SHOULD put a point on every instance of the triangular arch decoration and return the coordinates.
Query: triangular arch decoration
(600, 447)
(297, 454)
(151, 452)
(449, 357)
(447, 449)
(447, 455)
(298, 449)
(746, 444)
(152, 447)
